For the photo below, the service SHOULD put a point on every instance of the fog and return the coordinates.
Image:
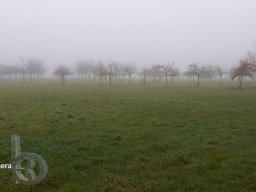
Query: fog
(143, 31)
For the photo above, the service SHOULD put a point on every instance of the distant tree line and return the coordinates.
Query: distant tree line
(167, 72)
(196, 72)
(33, 68)
(109, 71)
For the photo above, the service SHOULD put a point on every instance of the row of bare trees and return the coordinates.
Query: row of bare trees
(195, 72)
(88, 69)
(160, 71)
(33, 68)
(109, 70)
(245, 70)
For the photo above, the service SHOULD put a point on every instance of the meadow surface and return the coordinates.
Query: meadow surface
(132, 138)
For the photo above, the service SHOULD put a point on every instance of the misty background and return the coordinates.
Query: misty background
(61, 32)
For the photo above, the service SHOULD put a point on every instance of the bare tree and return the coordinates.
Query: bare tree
(252, 55)
(189, 74)
(15, 71)
(91, 69)
(119, 71)
(220, 71)
(194, 70)
(130, 69)
(208, 72)
(2, 71)
(83, 68)
(144, 73)
(245, 69)
(94, 71)
(30, 68)
(22, 68)
(166, 71)
(174, 73)
(155, 72)
(35, 68)
(111, 65)
(8, 70)
(62, 72)
(101, 70)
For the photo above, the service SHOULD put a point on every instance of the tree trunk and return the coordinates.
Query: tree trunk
(240, 81)
(63, 79)
(144, 78)
(23, 76)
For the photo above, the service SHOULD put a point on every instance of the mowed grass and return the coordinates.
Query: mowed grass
(132, 138)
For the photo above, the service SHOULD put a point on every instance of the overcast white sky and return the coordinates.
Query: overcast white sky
(143, 31)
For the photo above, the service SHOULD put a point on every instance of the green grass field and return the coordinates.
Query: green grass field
(132, 138)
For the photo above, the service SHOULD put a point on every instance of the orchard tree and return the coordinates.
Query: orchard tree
(35, 68)
(94, 71)
(129, 69)
(174, 73)
(208, 72)
(245, 69)
(83, 68)
(111, 66)
(155, 72)
(166, 71)
(252, 58)
(252, 55)
(220, 71)
(145, 72)
(119, 70)
(195, 71)
(101, 70)
(22, 68)
(1, 71)
(189, 74)
(62, 72)
(8, 70)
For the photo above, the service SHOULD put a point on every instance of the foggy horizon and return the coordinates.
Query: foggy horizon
(145, 32)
